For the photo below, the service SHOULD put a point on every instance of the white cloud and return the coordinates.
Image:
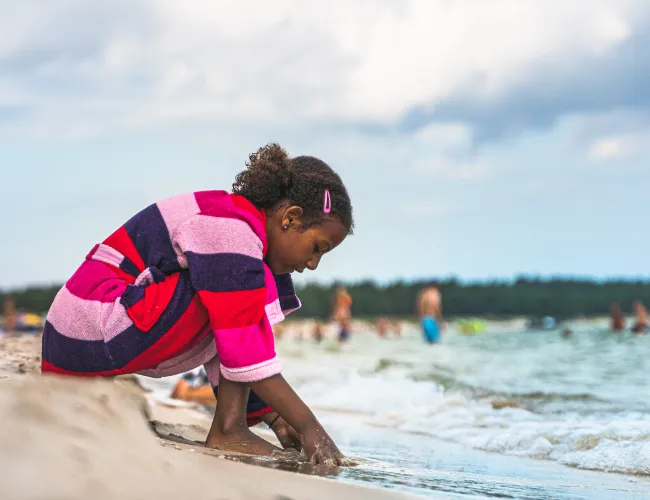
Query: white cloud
(471, 169)
(607, 148)
(144, 62)
(628, 146)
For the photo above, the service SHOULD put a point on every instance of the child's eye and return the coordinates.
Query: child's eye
(316, 249)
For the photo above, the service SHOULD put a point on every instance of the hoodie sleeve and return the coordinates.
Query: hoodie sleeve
(225, 260)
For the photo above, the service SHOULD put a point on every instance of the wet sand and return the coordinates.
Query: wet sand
(91, 438)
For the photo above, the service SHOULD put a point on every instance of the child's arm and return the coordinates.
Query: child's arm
(318, 445)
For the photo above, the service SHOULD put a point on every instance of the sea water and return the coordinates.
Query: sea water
(581, 402)
(508, 413)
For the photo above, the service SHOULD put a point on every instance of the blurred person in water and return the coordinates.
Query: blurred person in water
(319, 333)
(381, 326)
(640, 318)
(199, 279)
(618, 320)
(342, 313)
(429, 308)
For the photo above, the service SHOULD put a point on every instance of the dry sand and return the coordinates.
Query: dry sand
(65, 438)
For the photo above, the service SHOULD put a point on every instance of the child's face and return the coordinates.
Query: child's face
(290, 250)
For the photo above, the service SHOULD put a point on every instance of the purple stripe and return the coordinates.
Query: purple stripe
(132, 295)
(284, 284)
(289, 303)
(129, 267)
(74, 354)
(225, 272)
(96, 356)
(286, 292)
(148, 231)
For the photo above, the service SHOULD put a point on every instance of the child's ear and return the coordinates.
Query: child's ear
(292, 217)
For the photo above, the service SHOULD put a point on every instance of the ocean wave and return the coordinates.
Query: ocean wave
(446, 409)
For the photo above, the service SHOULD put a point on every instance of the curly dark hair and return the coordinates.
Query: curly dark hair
(272, 176)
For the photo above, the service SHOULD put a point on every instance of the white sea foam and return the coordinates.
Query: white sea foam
(576, 422)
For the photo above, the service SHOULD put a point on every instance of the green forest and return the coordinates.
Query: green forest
(533, 297)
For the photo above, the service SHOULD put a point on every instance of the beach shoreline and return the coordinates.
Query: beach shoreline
(89, 438)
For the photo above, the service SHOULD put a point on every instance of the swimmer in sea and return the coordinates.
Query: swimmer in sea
(618, 321)
(382, 327)
(318, 332)
(342, 313)
(641, 318)
(429, 308)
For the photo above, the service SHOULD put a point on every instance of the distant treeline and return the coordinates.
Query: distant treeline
(562, 298)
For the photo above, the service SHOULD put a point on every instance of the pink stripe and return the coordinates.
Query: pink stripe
(219, 204)
(96, 281)
(206, 200)
(74, 317)
(209, 235)
(274, 312)
(271, 287)
(245, 346)
(253, 373)
(212, 370)
(114, 319)
(87, 319)
(175, 211)
(289, 311)
(144, 278)
(195, 357)
(107, 255)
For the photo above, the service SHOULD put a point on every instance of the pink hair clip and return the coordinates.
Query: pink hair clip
(327, 202)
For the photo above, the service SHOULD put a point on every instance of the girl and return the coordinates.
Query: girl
(199, 279)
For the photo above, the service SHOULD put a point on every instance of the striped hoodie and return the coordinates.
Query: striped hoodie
(181, 284)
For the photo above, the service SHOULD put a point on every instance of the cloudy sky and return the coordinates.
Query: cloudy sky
(481, 138)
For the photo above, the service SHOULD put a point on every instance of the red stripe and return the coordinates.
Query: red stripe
(207, 199)
(251, 418)
(184, 332)
(234, 309)
(146, 311)
(121, 242)
(190, 325)
(50, 368)
(259, 413)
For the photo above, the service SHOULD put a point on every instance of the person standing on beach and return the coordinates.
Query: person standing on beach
(200, 279)
(342, 313)
(10, 315)
(429, 308)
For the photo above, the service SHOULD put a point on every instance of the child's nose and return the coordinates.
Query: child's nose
(312, 265)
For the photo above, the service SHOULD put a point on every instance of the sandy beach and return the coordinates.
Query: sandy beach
(90, 438)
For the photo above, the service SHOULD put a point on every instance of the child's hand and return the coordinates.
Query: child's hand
(320, 449)
(287, 435)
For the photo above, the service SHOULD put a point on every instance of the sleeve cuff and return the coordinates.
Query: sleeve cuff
(253, 373)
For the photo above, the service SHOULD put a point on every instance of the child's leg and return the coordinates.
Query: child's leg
(229, 430)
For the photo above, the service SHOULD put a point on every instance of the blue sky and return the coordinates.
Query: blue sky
(477, 138)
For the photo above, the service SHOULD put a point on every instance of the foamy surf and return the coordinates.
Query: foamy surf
(566, 413)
